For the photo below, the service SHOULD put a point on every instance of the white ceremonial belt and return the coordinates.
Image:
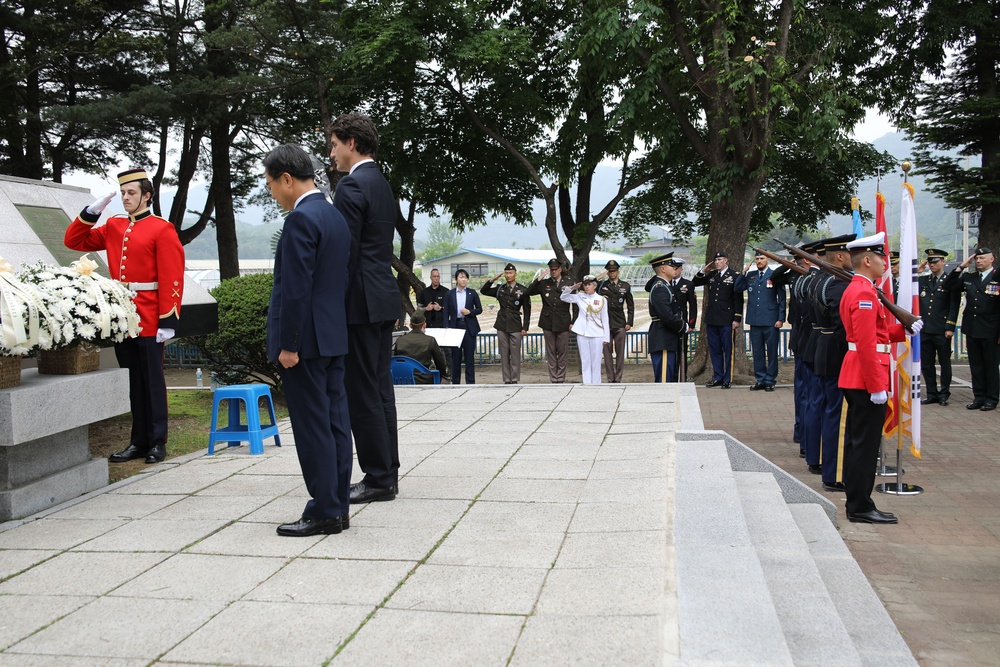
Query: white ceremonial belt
(142, 287)
(882, 348)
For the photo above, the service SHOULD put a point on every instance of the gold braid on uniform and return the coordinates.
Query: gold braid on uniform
(594, 315)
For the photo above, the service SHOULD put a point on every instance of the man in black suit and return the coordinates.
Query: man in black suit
(373, 304)
(307, 337)
(461, 307)
(981, 325)
(939, 310)
(421, 347)
(431, 299)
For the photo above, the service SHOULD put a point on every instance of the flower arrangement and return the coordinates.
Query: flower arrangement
(27, 321)
(86, 306)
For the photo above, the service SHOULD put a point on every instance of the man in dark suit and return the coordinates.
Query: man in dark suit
(981, 325)
(766, 316)
(373, 304)
(939, 309)
(723, 315)
(421, 347)
(460, 309)
(431, 299)
(307, 337)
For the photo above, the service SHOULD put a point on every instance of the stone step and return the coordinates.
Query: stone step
(812, 628)
(874, 635)
(726, 612)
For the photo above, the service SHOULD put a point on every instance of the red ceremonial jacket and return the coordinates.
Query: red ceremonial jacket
(141, 249)
(867, 327)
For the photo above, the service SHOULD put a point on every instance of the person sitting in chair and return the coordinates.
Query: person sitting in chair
(418, 345)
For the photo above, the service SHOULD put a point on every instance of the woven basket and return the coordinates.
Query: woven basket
(10, 372)
(72, 360)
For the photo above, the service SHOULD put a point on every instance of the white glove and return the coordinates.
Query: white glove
(163, 335)
(916, 327)
(879, 397)
(98, 206)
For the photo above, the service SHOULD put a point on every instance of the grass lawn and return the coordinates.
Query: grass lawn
(189, 423)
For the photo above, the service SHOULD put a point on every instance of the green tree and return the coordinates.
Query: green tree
(442, 240)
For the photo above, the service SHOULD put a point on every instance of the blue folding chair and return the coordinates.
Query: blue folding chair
(404, 367)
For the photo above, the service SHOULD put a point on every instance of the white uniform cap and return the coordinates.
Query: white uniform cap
(874, 243)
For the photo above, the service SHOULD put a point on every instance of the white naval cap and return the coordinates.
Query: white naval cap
(874, 243)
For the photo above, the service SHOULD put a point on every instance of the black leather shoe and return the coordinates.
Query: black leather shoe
(757, 387)
(156, 454)
(362, 493)
(130, 453)
(714, 383)
(889, 515)
(345, 521)
(975, 405)
(836, 486)
(725, 385)
(305, 527)
(802, 453)
(928, 401)
(815, 469)
(871, 517)
(769, 387)
(943, 401)
(988, 406)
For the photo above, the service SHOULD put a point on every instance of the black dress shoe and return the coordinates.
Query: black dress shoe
(943, 401)
(769, 387)
(815, 469)
(130, 453)
(757, 387)
(988, 406)
(725, 385)
(975, 405)
(928, 401)
(362, 493)
(836, 486)
(889, 515)
(345, 521)
(871, 517)
(714, 383)
(802, 453)
(305, 527)
(156, 454)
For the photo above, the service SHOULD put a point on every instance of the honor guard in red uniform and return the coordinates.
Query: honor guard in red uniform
(145, 253)
(864, 376)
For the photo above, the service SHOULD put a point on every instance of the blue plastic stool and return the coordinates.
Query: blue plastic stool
(236, 432)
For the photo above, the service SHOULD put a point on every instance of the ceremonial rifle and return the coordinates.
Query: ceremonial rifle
(905, 317)
(791, 266)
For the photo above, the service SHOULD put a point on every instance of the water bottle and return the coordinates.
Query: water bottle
(197, 379)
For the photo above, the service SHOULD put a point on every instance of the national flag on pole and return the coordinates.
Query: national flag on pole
(892, 406)
(858, 229)
(908, 352)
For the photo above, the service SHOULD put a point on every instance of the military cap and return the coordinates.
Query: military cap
(808, 246)
(819, 247)
(589, 279)
(417, 318)
(132, 175)
(612, 264)
(933, 254)
(874, 243)
(510, 267)
(838, 242)
(676, 261)
(719, 254)
(894, 257)
(662, 259)
(983, 251)
(554, 263)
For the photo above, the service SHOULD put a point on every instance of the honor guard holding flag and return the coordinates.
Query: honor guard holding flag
(864, 376)
(667, 313)
(145, 253)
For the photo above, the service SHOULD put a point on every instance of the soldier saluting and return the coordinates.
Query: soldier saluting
(621, 312)
(555, 318)
(510, 325)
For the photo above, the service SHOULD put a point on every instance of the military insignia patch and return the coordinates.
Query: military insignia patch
(864, 305)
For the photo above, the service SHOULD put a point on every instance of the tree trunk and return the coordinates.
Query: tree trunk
(225, 214)
(405, 278)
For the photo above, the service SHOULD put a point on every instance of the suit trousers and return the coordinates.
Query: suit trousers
(984, 363)
(510, 356)
(590, 358)
(862, 438)
(812, 418)
(614, 365)
(466, 352)
(372, 402)
(832, 430)
(935, 349)
(147, 390)
(556, 354)
(659, 370)
(321, 424)
(720, 349)
(764, 344)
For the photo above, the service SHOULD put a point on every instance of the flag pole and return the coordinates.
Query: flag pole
(900, 488)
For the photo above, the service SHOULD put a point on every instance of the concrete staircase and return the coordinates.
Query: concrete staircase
(763, 580)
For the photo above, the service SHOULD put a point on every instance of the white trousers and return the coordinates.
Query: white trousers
(591, 356)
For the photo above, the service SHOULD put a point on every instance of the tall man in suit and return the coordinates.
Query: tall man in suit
(461, 307)
(723, 315)
(621, 313)
(766, 316)
(981, 325)
(365, 199)
(939, 310)
(307, 338)
(555, 318)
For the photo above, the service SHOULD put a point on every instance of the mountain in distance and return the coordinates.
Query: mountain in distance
(935, 221)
